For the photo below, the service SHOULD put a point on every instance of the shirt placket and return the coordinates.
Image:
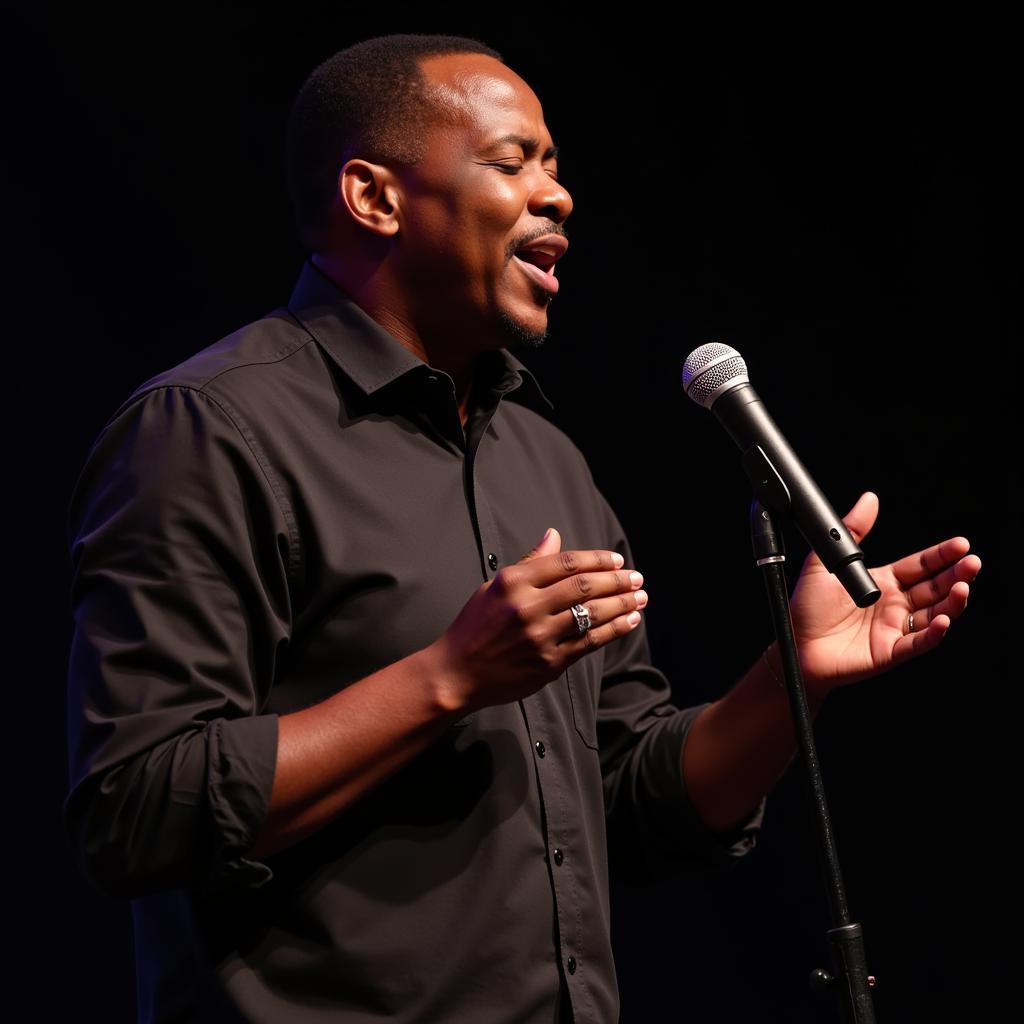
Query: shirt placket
(547, 742)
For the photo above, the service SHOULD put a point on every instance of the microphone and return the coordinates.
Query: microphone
(715, 376)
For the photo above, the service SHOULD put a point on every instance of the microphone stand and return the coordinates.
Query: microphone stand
(849, 980)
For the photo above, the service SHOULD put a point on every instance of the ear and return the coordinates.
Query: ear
(369, 195)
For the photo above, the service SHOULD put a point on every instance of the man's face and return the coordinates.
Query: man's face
(486, 187)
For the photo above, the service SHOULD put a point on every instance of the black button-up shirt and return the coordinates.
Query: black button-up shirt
(286, 512)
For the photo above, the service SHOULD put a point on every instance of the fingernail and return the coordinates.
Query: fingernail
(641, 599)
(636, 579)
(618, 559)
(633, 618)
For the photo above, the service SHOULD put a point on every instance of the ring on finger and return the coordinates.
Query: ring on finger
(582, 616)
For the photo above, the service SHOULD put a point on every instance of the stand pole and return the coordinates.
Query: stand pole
(850, 981)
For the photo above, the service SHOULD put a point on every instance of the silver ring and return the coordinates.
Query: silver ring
(910, 623)
(582, 617)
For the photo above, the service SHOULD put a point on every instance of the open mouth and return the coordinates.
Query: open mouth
(543, 275)
(538, 259)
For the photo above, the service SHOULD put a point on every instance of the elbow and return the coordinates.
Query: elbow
(122, 852)
(100, 854)
(179, 815)
(108, 869)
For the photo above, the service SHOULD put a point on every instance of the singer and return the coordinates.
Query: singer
(362, 708)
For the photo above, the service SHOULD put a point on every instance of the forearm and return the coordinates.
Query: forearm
(330, 754)
(740, 745)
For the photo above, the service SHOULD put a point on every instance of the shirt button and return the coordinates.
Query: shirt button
(541, 749)
(558, 857)
(492, 560)
(571, 964)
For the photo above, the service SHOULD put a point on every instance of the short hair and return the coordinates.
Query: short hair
(369, 100)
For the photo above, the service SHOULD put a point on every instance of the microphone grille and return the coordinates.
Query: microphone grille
(710, 369)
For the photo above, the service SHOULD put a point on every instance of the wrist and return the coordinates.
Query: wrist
(448, 693)
(815, 691)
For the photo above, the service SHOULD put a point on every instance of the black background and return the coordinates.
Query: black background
(838, 201)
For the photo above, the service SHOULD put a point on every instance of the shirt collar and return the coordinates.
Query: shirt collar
(370, 355)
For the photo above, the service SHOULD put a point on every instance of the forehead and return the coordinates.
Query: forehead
(483, 97)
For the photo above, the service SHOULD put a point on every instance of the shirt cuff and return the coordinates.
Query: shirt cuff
(686, 838)
(242, 759)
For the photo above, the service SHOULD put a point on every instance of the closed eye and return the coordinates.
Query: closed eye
(516, 168)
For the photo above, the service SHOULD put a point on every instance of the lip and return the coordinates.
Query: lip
(555, 245)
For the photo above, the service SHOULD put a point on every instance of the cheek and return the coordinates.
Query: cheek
(488, 204)
(464, 229)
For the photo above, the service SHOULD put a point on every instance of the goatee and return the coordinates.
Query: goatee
(519, 334)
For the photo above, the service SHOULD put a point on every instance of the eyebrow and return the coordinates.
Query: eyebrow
(529, 145)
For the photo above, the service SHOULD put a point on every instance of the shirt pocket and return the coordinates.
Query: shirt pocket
(583, 680)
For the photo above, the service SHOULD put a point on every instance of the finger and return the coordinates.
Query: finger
(859, 521)
(587, 586)
(599, 636)
(549, 543)
(862, 516)
(951, 606)
(931, 591)
(546, 569)
(929, 562)
(920, 641)
(602, 611)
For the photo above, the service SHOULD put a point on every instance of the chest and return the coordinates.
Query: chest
(397, 531)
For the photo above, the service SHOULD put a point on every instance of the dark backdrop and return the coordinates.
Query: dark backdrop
(840, 204)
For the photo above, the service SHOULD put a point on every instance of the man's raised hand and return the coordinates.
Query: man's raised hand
(517, 632)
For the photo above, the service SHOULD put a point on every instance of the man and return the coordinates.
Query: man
(354, 741)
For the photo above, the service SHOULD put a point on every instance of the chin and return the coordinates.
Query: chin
(518, 333)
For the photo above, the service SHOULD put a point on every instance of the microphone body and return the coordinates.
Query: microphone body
(715, 377)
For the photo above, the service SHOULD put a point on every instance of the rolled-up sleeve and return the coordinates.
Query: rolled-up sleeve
(180, 552)
(654, 831)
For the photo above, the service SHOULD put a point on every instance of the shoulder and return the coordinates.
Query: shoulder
(231, 389)
(184, 422)
(246, 358)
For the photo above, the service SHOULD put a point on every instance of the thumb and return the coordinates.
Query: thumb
(549, 544)
(862, 516)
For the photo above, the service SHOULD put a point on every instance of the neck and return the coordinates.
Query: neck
(372, 294)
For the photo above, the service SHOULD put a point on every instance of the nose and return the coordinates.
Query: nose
(550, 199)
